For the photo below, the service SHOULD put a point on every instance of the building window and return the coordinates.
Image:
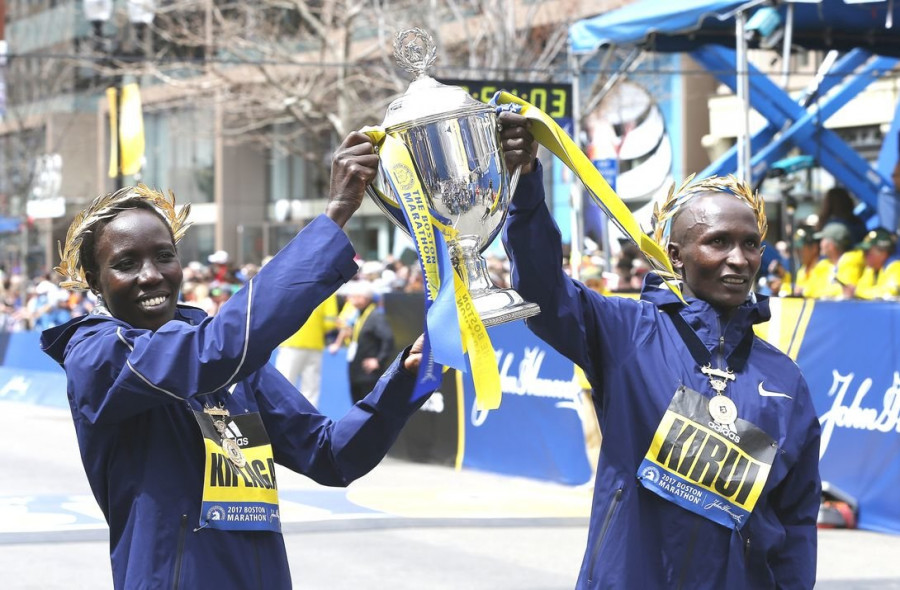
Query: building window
(296, 174)
(180, 153)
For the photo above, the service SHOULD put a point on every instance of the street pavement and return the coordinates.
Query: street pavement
(403, 526)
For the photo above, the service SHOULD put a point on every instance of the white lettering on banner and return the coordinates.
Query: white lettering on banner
(17, 386)
(527, 381)
(854, 416)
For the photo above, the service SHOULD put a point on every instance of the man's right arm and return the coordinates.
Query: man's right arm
(533, 243)
(576, 321)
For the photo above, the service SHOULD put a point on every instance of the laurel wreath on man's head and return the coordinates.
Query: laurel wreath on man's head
(661, 219)
(105, 207)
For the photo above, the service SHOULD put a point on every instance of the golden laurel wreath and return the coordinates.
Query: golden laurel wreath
(661, 220)
(104, 207)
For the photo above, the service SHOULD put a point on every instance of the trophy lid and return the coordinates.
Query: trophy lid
(426, 100)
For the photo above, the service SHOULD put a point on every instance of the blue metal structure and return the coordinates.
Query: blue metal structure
(801, 127)
(862, 31)
(683, 25)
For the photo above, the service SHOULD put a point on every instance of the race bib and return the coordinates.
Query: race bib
(714, 470)
(240, 492)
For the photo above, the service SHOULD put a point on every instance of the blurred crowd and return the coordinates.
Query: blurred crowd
(832, 255)
(40, 303)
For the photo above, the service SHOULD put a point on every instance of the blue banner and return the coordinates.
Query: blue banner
(850, 355)
(536, 432)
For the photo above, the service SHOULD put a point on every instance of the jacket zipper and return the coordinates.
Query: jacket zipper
(688, 555)
(746, 549)
(182, 531)
(720, 353)
(607, 520)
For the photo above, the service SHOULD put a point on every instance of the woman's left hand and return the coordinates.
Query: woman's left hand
(412, 360)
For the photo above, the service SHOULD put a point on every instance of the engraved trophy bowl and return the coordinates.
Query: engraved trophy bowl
(454, 143)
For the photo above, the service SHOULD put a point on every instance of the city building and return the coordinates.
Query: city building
(253, 180)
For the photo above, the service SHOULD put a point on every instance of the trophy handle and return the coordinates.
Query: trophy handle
(391, 210)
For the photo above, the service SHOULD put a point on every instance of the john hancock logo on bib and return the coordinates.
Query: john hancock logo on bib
(712, 471)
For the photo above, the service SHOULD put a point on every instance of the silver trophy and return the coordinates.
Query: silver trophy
(454, 143)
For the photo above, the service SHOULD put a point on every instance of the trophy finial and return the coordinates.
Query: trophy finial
(414, 50)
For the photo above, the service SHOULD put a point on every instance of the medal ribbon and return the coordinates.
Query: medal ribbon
(447, 298)
(551, 136)
(735, 361)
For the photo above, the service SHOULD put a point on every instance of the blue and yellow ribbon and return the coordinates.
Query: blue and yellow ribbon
(447, 298)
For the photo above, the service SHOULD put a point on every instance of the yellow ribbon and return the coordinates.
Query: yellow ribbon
(482, 358)
(397, 163)
(551, 136)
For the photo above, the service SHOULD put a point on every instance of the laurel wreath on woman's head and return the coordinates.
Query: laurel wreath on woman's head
(661, 219)
(105, 207)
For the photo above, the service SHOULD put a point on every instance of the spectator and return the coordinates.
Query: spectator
(80, 304)
(219, 263)
(593, 279)
(299, 358)
(247, 272)
(219, 293)
(837, 207)
(371, 341)
(769, 281)
(346, 318)
(881, 277)
(813, 274)
(43, 308)
(843, 265)
(415, 283)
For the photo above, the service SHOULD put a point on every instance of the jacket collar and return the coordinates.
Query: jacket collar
(54, 340)
(704, 319)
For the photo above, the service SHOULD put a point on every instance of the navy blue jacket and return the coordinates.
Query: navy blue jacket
(634, 358)
(132, 393)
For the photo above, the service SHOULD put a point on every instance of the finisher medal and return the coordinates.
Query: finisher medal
(722, 410)
(229, 445)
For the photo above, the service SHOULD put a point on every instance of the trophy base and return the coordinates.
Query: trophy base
(499, 306)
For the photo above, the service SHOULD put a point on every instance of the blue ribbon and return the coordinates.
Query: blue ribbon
(442, 346)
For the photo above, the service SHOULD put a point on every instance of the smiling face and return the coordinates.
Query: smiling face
(716, 245)
(137, 269)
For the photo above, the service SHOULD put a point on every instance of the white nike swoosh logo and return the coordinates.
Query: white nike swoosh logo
(766, 393)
